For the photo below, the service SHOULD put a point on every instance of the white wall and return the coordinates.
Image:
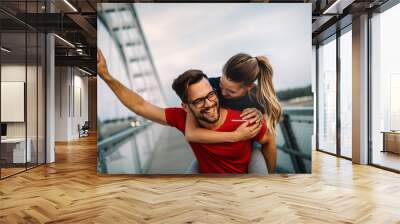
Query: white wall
(61, 103)
(14, 73)
(70, 83)
(81, 84)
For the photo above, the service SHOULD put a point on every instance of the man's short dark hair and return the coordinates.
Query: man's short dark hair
(183, 81)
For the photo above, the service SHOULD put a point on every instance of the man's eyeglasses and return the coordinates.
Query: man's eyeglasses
(200, 102)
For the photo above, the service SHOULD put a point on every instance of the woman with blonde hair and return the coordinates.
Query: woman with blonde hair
(237, 90)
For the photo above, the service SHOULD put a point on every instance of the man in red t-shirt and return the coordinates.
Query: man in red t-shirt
(201, 100)
(221, 157)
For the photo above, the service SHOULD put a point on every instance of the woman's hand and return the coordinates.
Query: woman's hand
(252, 115)
(246, 131)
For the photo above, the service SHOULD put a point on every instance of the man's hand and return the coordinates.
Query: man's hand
(252, 115)
(129, 98)
(246, 131)
(102, 65)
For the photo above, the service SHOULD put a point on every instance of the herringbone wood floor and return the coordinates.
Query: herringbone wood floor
(70, 191)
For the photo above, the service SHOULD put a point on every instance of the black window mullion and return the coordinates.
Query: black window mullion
(0, 96)
(69, 92)
(45, 94)
(338, 74)
(369, 96)
(73, 92)
(46, 3)
(37, 90)
(317, 95)
(26, 87)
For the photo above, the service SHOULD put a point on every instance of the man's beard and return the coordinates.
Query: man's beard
(199, 116)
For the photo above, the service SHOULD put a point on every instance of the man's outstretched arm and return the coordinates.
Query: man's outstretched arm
(129, 98)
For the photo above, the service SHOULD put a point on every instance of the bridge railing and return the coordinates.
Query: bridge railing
(293, 143)
(139, 141)
(294, 140)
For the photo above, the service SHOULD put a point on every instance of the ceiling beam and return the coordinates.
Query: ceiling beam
(81, 61)
(84, 24)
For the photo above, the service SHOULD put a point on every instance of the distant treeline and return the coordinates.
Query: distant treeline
(294, 93)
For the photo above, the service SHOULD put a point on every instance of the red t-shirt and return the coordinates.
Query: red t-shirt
(221, 157)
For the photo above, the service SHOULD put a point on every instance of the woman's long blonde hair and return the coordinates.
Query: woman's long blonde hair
(246, 69)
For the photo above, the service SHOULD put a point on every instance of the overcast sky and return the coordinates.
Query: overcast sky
(204, 36)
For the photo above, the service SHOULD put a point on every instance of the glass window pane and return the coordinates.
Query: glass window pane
(22, 82)
(386, 88)
(14, 152)
(346, 94)
(327, 96)
(31, 97)
(41, 98)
